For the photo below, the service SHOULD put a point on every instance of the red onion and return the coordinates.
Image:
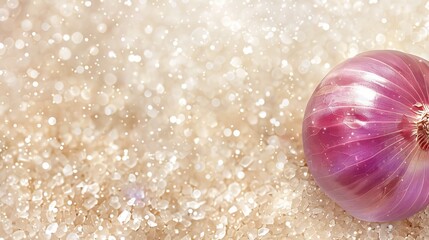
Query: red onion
(366, 135)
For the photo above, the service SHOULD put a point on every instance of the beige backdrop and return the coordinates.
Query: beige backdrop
(178, 119)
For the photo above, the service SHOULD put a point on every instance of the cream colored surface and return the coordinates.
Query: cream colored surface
(178, 119)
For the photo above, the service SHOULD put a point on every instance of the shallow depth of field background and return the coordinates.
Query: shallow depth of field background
(178, 119)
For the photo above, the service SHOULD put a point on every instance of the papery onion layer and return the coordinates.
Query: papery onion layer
(366, 135)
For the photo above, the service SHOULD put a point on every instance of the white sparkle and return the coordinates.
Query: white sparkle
(52, 121)
(64, 53)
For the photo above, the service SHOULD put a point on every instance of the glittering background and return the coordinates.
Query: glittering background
(178, 119)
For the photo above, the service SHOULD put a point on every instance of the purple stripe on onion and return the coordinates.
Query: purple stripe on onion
(366, 135)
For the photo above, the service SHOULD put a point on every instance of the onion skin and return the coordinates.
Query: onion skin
(365, 135)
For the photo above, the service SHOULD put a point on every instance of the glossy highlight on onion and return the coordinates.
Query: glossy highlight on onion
(366, 135)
